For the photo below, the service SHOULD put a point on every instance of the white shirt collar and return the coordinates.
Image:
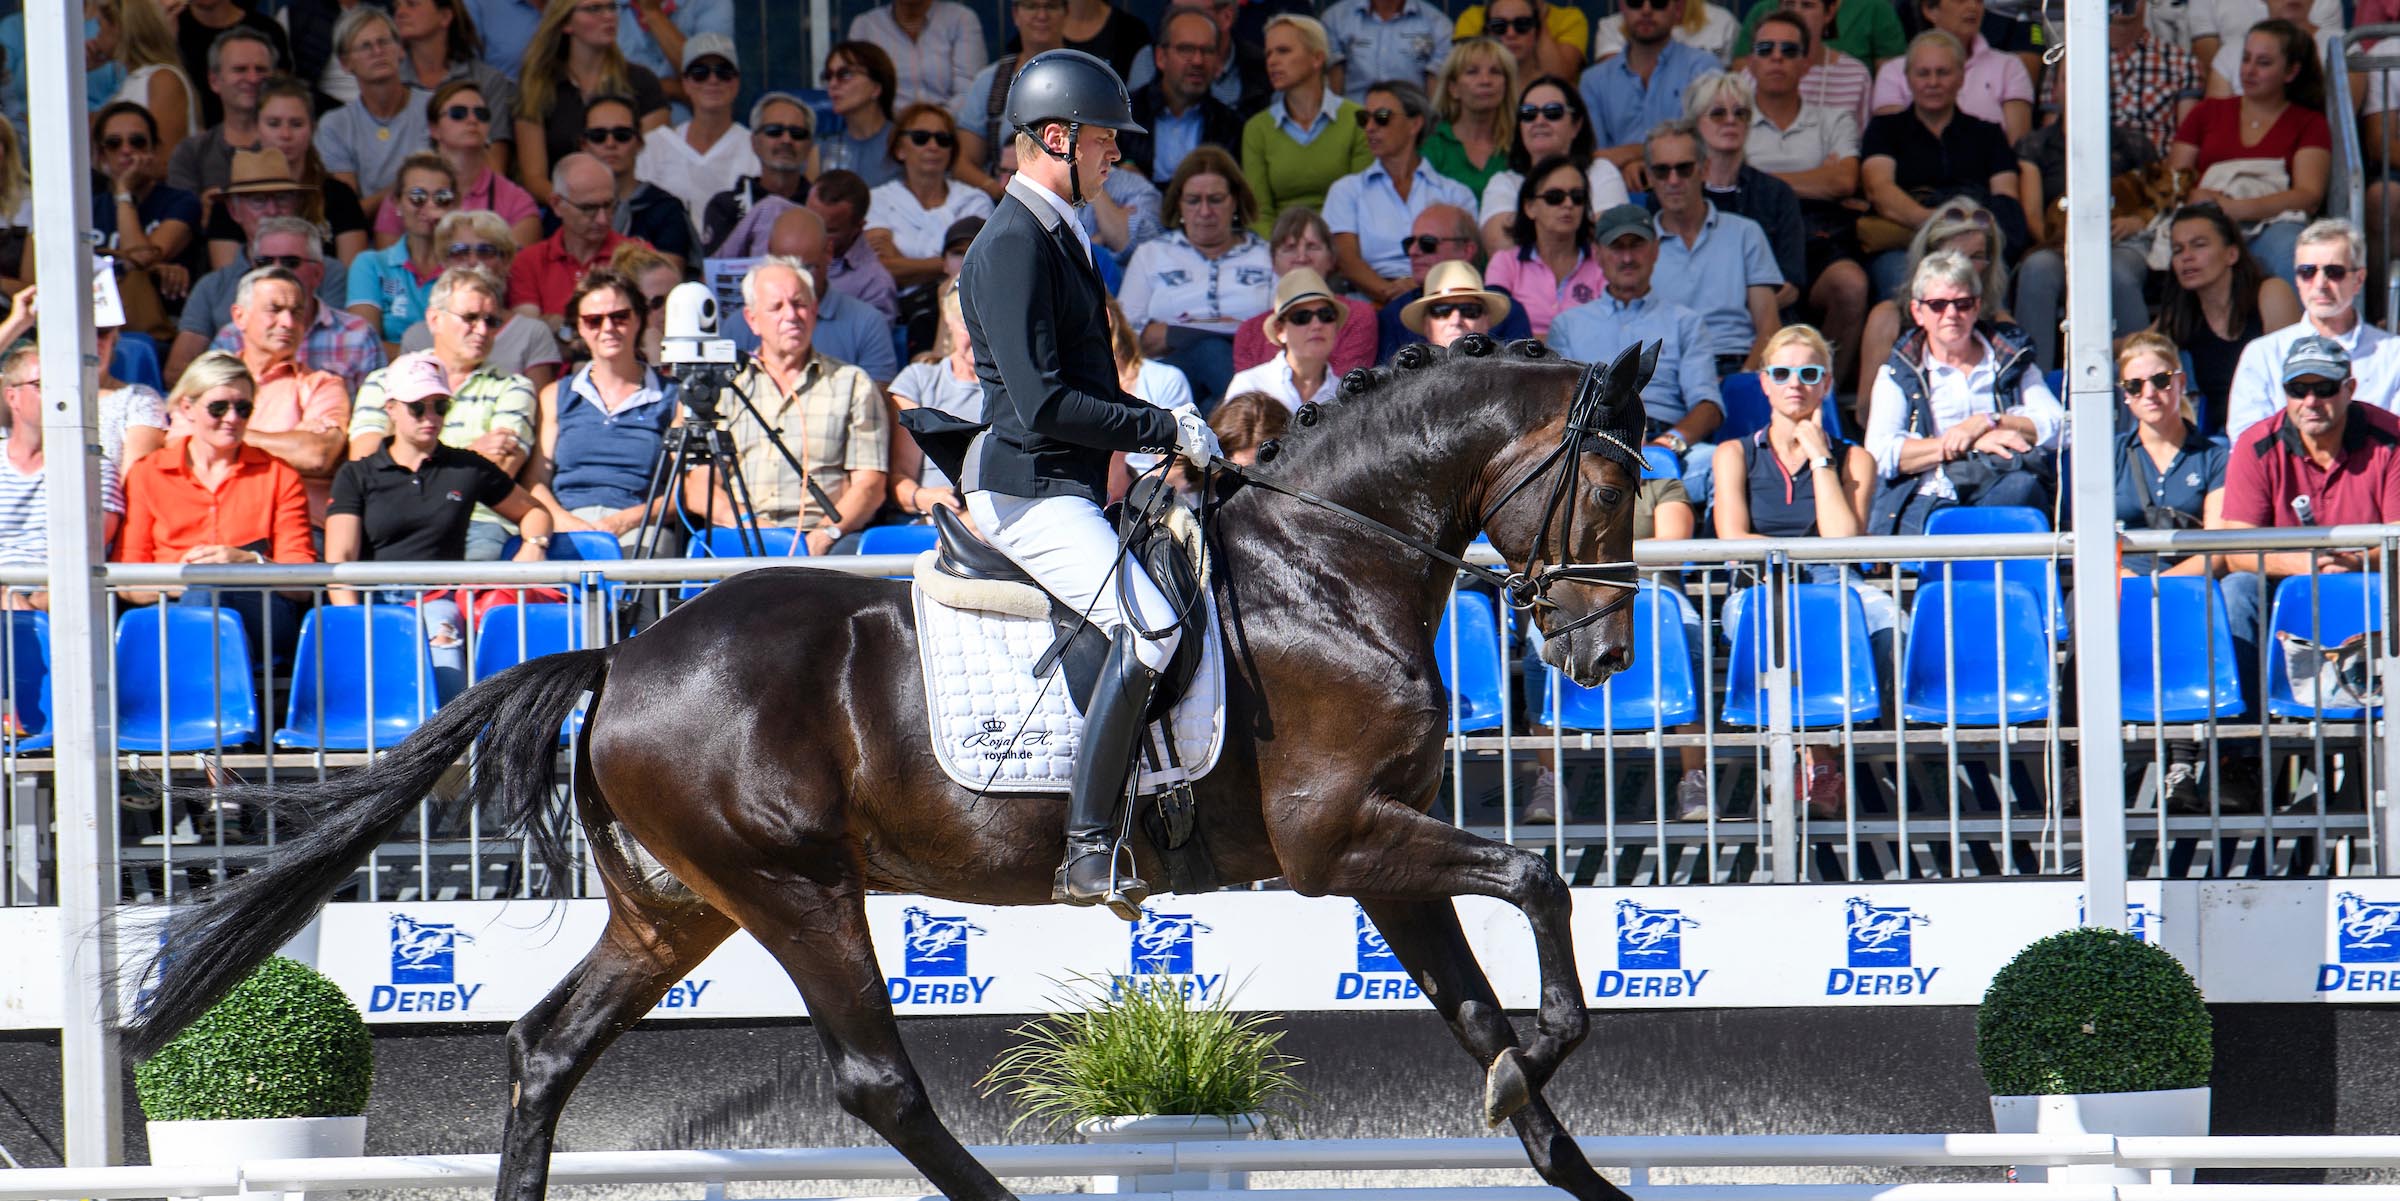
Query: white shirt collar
(1066, 212)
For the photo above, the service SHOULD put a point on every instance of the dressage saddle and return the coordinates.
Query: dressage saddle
(1078, 646)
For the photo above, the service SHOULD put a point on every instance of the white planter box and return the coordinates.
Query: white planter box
(1203, 1128)
(2172, 1111)
(226, 1143)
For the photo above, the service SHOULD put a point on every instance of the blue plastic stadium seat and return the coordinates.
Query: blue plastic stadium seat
(2056, 381)
(1746, 408)
(895, 540)
(1470, 635)
(577, 545)
(510, 634)
(1970, 520)
(1656, 692)
(1821, 616)
(2346, 604)
(25, 672)
(2192, 680)
(136, 360)
(366, 705)
(725, 542)
(1996, 645)
(1662, 462)
(198, 694)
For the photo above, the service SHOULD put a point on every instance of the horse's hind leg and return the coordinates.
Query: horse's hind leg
(644, 951)
(816, 927)
(1427, 938)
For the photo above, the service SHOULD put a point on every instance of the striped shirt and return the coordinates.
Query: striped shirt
(833, 419)
(25, 510)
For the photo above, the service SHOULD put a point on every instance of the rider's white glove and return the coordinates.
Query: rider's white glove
(1195, 441)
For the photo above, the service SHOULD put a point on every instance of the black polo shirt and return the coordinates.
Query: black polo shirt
(2197, 470)
(421, 514)
(1966, 154)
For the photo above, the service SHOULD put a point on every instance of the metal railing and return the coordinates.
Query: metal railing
(1828, 746)
(1634, 1158)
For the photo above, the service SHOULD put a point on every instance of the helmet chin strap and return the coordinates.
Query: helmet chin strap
(1074, 177)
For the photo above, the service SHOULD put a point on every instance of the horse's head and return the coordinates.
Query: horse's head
(1564, 519)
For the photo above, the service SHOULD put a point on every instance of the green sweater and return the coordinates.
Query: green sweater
(1285, 173)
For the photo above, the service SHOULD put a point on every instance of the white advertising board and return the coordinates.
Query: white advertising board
(1638, 948)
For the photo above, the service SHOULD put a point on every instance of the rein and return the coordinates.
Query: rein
(1523, 592)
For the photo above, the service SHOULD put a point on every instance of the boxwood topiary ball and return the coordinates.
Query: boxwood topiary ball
(285, 1043)
(2092, 1011)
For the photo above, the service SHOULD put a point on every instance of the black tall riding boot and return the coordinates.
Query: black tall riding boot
(1112, 729)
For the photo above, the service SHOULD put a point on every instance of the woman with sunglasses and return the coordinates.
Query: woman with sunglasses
(1553, 267)
(1300, 240)
(412, 501)
(1703, 26)
(208, 497)
(150, 226)
(643, 210)
(439, 47)
(1801, 480)
(287, 122)
(388, 286)
(1308, 136)
(1959, 414)
(656, 275)
(525, 345)
(1475, 123)
(1528, 30)
(139, 37)
(909, 215)
(601, 427)
(1306, 322)
(860, 82)
(2218, 302)
(2278, 115)
(1960, 225)
(711, 152)
(1363, 209)
(573, 54)
(458, 121)
(1551, 121)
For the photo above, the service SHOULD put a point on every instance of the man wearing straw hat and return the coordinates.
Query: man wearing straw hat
(1456, 303)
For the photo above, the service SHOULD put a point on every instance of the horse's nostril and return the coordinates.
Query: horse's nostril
(1616, 657)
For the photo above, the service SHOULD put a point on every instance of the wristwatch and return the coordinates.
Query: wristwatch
(125, 198)
(1676, 441)
(540, 540)
(1821, 463)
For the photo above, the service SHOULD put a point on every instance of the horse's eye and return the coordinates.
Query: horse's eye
(1611, 495)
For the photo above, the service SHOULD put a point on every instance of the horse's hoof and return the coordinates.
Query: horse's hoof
(1506, 1089)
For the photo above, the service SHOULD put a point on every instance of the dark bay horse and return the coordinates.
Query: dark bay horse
(766, 746)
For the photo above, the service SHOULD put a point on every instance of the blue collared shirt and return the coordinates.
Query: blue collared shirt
(1624, 108)
(1408, 47)
(1326, 112)
(1171, 138)
(1687, 372)
(1367, 206)
(1712, 275)
(506, 27)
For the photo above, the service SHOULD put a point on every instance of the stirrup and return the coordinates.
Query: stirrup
(1123, 891)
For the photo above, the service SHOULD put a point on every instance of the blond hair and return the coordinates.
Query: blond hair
(145, 37)
(546, 64)
(1464, 55)
(2152, 342)
(1800, 335)
(1310, 29)
(209, 372)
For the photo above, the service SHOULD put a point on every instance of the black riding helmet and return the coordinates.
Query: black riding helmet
(1074, 87)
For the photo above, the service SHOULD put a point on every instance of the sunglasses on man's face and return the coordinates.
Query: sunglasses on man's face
(703, 72)
(439, 406)
(2337, 272)
(920, 137)
(1325, 313)
(464, 112)
(240, 408)
(1464, 310)
(796, 133)
(1426, 243)
(1553, 111)
(1660, 5)
(488, 321)
(1777, 49)
(2135, 385)
(2316, 389)
(1578, 197)
(1378, 116)
(602, 135)
(1516, 25)
(440, 197)
(1809, 375)
(1683, 170)
(1964, 304)
(289, 262)
(139, 141)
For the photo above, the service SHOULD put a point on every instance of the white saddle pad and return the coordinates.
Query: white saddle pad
(998, 728)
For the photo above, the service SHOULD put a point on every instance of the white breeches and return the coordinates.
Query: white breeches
(1065, 542)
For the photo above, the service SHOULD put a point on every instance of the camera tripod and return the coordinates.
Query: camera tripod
(703, 443)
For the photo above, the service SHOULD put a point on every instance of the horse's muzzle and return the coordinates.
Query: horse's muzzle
(1591, 655)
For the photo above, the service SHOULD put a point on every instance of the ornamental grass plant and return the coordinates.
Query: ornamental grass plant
(1115, 1048)
(2092, 1011)
(285, 1043)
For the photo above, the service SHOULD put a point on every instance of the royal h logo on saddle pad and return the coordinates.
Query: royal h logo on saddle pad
(999, 727)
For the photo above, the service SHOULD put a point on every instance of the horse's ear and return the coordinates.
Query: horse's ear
(1623, 394)
(1649, 363)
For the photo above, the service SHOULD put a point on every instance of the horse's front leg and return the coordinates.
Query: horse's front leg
(1426, 937)
(1383, 850)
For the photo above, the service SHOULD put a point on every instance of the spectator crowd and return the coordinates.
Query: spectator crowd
(392, 275)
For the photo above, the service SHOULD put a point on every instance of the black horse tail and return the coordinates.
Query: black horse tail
(204, 949)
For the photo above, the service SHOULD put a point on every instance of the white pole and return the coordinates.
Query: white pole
(83, 710)
(2090, 372)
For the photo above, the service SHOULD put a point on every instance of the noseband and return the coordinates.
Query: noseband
(1583, 434)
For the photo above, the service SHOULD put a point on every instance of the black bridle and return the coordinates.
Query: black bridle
(1583, 434)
